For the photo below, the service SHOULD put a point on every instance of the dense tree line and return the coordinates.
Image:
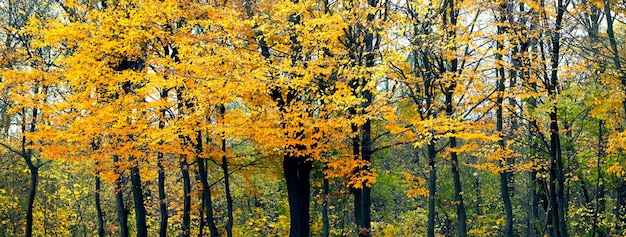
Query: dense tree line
(312, 117)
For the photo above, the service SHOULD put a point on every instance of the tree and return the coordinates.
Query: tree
(26, 91)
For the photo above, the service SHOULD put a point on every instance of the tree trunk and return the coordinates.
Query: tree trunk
(556, 179)
(366, 136)
(100, 214)
(161, 176)
(184, 170)
(456, 173)
(557, 196)
(140, 209)
(206, 189)
(504, 179)
(362, 196)
(450, 24)
(297, 171)
(206, 195)
(229, 198)
(162, 196)
(358, 195)
(122, 214)
(34, 176)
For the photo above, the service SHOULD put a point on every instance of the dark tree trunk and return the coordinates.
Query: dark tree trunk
(366, 136)
(162, 196)
(206, 195)
(450, 20)
(140, 209)
(506, 200)
(297, 171)
(34, 173)
(206, 188)
(556, 192)
(184, 170)
(122, 214)
(229, 198)
(456, 173)
(161, 176)
(362, 196)
(358, 195)
(556, 179)
(100, 214)
(432, 188)
(538, 187)
(504, 179)
(34, 177)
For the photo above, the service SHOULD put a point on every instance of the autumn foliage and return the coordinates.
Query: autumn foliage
(312, 117)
